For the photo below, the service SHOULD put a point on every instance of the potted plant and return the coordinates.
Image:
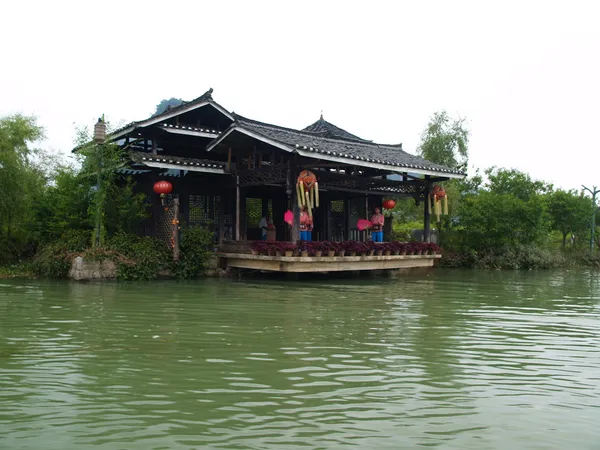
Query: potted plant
(352, 248)
(340, 249)
(328, 248)
(302, 248)
(387, 248)
(432, 248)
(370, 246)
(361, 248)
(287, 248)
(259, 248)
(316, 249)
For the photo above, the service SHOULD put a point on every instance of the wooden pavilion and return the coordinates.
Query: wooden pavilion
(228, 171)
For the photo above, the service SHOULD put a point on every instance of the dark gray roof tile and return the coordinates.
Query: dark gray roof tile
(392, 155)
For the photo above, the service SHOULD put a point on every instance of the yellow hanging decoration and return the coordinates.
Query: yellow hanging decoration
(307, 190)
(299, 196)
(308, 205)
(438, 194)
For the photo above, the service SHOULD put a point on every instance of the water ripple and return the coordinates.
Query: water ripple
(450, 359)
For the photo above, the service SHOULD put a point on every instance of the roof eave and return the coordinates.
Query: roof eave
(327, 156)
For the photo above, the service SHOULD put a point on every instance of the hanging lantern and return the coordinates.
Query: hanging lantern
(307, 190)
(434, 203)
(389, 204)
(163, 188)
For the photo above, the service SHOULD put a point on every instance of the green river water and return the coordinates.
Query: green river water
(445, 359)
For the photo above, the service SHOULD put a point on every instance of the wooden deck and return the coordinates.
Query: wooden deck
(324, 263)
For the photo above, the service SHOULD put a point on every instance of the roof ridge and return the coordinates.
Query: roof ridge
(328, 128)
(313, 134)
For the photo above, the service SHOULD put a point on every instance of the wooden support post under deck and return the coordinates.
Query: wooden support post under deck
(426, 215)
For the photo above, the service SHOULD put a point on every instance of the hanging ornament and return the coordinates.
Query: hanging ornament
(434, 203)
(163, 188)
(389, 204)
(307, 190)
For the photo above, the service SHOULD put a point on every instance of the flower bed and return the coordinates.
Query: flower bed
(346, 248)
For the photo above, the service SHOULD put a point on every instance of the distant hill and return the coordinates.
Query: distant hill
(165, 104)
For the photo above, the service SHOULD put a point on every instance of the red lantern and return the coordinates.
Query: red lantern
(163, 188)
(389, 204)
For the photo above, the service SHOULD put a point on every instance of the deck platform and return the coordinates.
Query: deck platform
(325, 263)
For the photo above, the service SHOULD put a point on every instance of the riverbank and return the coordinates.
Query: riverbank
(20, 270)
(519, 258)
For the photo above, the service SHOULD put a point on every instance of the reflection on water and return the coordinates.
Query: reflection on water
(449, 359)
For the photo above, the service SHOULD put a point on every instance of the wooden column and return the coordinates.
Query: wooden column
(426, 215)
(346, 218)
(184, 202)
(223, 198)
(176, 229)
(237, 209)
(295, 235)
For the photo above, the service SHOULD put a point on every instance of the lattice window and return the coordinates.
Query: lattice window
(165, 228)
(337, 206)
(253, 212)
(199, 213)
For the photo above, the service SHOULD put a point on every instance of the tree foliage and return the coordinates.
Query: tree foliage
(568, 212)
(445, 141)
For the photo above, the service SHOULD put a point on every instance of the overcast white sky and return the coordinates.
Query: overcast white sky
(526, 74)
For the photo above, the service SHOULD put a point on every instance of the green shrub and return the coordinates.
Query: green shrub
(195, 252)
(514, 257)
(402, 231)
(54, 261)
(139, 258)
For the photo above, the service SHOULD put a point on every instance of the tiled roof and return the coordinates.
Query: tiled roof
(391, 155)
(142, 158)
(186, 128)
(326, 129)
(204, 98)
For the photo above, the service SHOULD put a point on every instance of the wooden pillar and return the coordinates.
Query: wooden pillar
(295, 235)
(265, 206)
(346, 218)
(223, 199)
(243, 215)
(426, 215)
(237, 209)
(184, 203)
(176, 228)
